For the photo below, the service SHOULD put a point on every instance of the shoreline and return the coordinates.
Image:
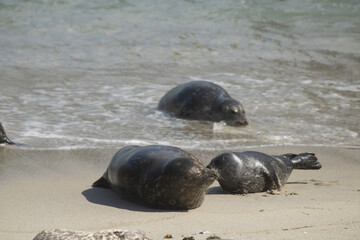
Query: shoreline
(46, 189)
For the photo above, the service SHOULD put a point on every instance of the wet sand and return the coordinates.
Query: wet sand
(44, 189)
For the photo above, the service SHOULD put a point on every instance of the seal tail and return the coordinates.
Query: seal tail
(101, 182)
(3, 137)
(305, 161)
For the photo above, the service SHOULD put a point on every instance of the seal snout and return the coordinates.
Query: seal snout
(214, 171)
(213, 175)
(243, 122)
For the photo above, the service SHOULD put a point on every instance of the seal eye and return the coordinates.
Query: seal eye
(234, 111)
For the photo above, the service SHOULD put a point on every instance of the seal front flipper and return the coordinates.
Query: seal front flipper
(305, 161)
(101, 182)
(272, 181)
(3, 137)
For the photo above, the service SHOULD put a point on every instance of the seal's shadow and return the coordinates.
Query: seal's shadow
(298, 182)
(216, 190)
(219, 190)
(107, 197)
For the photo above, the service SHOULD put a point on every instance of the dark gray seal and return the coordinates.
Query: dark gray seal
(250, 172)
(201, 100)
(3, 137)
(162, 177)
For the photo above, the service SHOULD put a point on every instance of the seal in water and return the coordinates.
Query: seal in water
(250, 172)
(201, 100)
(162, 177)
(3, 137)
(62, 234)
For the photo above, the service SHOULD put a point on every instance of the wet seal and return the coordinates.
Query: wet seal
(3, 137)
(163, 177)
(62, 234)
(250, 172)
(202, 100)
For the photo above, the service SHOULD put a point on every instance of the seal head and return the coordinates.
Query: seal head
(230, 111)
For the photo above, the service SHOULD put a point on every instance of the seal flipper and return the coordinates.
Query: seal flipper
(101, 182)
(272, 180)
(305, 161)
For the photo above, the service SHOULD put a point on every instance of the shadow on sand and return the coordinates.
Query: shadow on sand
(216, 190)
(219, 190)
(107, 197)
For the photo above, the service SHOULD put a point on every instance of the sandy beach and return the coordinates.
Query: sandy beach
(44, 189)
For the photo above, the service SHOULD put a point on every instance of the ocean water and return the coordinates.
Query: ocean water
(86, 73)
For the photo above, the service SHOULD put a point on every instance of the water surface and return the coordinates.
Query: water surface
(90, 73)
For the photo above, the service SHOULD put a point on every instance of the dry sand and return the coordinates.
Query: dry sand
(42, 189)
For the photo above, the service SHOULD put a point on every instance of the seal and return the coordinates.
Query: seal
(157, 176)
(250, 172)
(115, 234)
(202, 100)
(3, 137)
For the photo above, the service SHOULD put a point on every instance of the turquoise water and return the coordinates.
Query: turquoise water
(90, 73)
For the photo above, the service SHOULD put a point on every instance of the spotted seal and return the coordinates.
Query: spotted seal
(158, 176)
(115, 234)
(3, 136)
(250, 172)
(202, 100)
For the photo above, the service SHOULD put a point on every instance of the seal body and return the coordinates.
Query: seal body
(250, 172)
(162, 177)
(62, 234)
(3, 137)
(202, 100)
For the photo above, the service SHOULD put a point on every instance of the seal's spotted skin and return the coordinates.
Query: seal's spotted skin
(202, 100)
(157, 176)
(250, 172)
(61, 234)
